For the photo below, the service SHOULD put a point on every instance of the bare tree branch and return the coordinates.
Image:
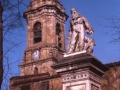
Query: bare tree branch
(11, 22)
(114, 28)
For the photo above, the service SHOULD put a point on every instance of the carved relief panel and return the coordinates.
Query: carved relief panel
(93, 87)
(77, 87)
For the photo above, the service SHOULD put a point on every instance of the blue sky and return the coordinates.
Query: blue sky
(94, 11)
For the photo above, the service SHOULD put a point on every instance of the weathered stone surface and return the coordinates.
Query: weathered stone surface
(49, 13)
(81, 71)
(51, 16)
(35, 81)
(111, 79)
(79, 62)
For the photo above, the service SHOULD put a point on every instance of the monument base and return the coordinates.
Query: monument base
(75, 53)
(80, 72)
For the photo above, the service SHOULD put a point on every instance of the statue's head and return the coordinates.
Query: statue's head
(74, 13)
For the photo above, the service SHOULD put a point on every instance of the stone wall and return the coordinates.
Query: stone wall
(36, 82)
(111, 79)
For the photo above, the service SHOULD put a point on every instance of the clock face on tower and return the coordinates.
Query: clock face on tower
(36, 55)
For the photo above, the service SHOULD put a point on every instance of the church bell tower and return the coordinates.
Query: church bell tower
(45, 45)
(45, 36)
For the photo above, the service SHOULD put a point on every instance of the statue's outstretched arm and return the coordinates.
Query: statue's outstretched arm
(69, 36)
(70, 31)
(87, 26)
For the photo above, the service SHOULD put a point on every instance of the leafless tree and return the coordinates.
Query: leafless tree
(1, 49)
(114, 28)
(11, 22)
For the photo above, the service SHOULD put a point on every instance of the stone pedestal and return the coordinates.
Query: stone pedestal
(80, 72)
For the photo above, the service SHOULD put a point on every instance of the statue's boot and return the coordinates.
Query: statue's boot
(81, 47)
(77, 47)
(71, 48)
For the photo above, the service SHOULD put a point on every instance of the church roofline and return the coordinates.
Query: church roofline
(113, 64)
(17, 80)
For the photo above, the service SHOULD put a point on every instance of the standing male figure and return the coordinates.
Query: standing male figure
(78, 26)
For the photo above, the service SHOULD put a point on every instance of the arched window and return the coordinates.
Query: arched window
(37, 32)
(60, 45)
(58, 32)
(35, 70)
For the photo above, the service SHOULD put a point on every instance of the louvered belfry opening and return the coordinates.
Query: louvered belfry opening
(37, 32)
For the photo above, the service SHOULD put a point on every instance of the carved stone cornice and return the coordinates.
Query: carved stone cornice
(78, 76)
(53, 46)
(80, 61)
(35, 4)
(38, 61)
(17, 80)
(49, 10)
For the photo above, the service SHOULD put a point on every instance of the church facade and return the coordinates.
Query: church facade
(45, 48)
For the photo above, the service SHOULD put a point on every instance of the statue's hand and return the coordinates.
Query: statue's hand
(90, 31)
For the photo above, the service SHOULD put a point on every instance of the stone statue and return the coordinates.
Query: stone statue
(77, 41)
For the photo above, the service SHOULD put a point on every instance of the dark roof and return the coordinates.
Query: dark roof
(17, 80)
(110, 65)
(30, 76)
